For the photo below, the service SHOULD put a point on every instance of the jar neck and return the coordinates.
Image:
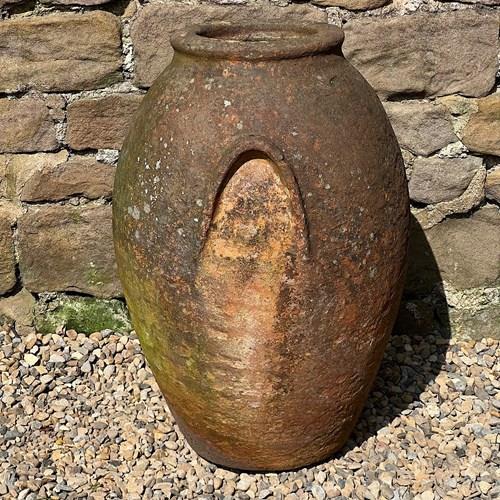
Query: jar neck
(258, 42)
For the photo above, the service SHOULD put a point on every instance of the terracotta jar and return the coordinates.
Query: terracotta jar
(260, 224)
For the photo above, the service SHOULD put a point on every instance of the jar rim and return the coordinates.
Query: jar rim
(257, 41)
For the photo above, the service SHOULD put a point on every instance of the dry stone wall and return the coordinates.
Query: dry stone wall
(74, 72)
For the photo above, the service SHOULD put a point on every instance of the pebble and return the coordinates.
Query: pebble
(56, 358)
(82, 417)
(318, 492)
(31, 359)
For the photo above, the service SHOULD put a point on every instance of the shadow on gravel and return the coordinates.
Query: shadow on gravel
(417, 349)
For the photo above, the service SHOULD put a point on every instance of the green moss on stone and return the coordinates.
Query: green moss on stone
(96, 277)
(83, 314)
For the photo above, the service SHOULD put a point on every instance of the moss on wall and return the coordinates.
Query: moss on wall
(83, 314)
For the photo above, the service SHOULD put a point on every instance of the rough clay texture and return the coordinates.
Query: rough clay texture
(224, 263)
(436, 61)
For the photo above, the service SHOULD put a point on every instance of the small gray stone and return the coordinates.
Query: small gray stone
(86, 367)
(318, 492)
(56, 358)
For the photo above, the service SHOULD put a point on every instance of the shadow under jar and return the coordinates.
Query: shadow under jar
(260, 224)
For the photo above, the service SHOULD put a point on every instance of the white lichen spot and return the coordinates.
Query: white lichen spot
(196, 219)
(134, 212)
(156, 180)
(158, 163)
(180, 231)
(227, 103)
(309, 195)
(327, 186)
(239, 125)
(199, 202)
(147, 208)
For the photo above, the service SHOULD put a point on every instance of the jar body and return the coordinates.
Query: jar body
(260, 225)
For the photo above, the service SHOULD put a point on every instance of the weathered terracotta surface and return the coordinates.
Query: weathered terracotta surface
(260, 222)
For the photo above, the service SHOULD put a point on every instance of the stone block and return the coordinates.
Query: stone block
(426, 54)
(101, 123)
(482, 132)
(60, 52)
(421, 127)
(434, 180)
(66, 248)
(26, 125)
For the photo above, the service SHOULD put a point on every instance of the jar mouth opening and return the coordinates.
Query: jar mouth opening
(257, 41)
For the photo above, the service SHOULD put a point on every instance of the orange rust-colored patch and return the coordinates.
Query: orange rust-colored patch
(242, 267)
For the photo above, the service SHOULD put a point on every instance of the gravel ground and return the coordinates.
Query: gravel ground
(82, 417)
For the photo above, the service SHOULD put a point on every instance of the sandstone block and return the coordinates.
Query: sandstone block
(7, 255)
(479, 2)
(100, 123)
(492, 185)
(434, 180)
(482, 132)
(426, 54)
(156, 22)
(18, 308)
(65, 248)
(352, 4)
(26, 126)
(52, 177)
(476, 325)
(467, 250)
(422, 128)
(85, 3)
(8, 3)
(60, 52)
(467, 201)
